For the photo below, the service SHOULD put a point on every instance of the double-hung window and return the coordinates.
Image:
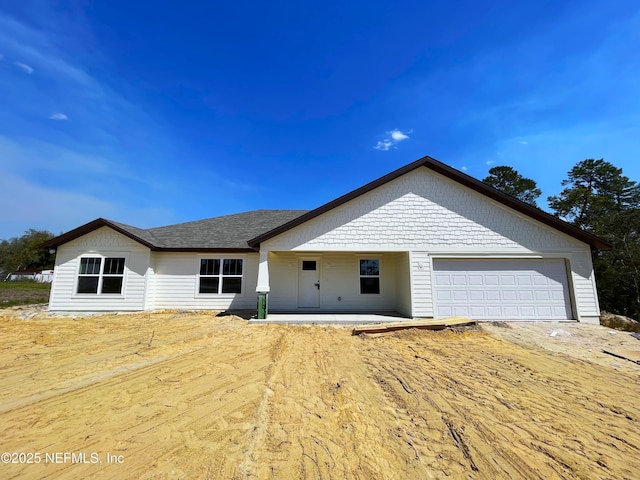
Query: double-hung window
(370, 276)
(101, 275)
(220, 275)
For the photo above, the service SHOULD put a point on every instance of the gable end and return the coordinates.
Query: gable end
(457, 176)
(90, 227)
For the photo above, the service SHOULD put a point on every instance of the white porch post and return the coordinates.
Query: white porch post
(263, 273)
(263, 285)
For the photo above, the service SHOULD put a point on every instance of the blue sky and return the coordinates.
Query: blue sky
(153, 113)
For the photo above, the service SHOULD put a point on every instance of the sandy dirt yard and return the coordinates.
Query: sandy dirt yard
(191, 395)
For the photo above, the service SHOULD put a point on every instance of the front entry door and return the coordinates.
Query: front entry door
(309, 284)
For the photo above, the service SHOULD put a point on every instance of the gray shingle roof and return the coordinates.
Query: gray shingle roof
(229, 232)
(136, 232)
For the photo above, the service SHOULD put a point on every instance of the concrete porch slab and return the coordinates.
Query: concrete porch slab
(305, 318)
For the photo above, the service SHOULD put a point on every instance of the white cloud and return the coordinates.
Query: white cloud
(37, 46)
(58, 116)
(383, 145)
(490, 162)
(523, 142)
(393, 137)
(464, 168)
(397, 135)
(24, 67)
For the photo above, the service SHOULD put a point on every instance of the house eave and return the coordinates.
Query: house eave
(101, 222)
(91, 227)
(205, 250)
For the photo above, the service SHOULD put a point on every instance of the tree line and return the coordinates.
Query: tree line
(596, 197)
(24, 253)
(599, 199)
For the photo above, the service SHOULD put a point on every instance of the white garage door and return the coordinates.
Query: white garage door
(502, 289)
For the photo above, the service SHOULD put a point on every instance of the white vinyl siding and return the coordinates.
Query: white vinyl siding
(421, 296)
(177, 286)
(517, 289)
(422, 211)
(403, 283)
(103, 242)
(584, 286)
(586, 296)
(150, 296)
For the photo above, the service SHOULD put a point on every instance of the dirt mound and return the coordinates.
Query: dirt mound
(619, 322)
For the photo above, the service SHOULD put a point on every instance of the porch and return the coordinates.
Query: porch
(349, 284)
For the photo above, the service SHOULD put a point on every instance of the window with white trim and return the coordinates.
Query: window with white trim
(370, 276)
(101, 275)
(220, 275)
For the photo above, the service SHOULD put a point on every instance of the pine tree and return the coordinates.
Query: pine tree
(509, 181)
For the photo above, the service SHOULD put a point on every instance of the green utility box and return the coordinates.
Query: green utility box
(263, 305)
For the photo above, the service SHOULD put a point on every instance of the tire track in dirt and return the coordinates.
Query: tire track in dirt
(88, 380)
(510, 413)
(247, 467)
(326, 418)
(189, 416)
(45, 353)
(237, 401)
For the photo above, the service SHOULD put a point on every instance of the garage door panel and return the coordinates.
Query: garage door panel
(510, 311)
(462, 311)
(492, 280)
(507, 280)
(445, 311)
(524, 289)
(476, 295)
(539, 280)
(460, 296)
(509, 295)
(558, 311)
(528, 310)
(444, 295)
(492, 295)
(524, 280)
(545, 311)
(543, 296)
(525, 295)
(458, 280)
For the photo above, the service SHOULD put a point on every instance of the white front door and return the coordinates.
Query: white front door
(309, 283)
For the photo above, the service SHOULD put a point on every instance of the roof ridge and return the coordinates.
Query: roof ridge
(302, 211)
(135, 231)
